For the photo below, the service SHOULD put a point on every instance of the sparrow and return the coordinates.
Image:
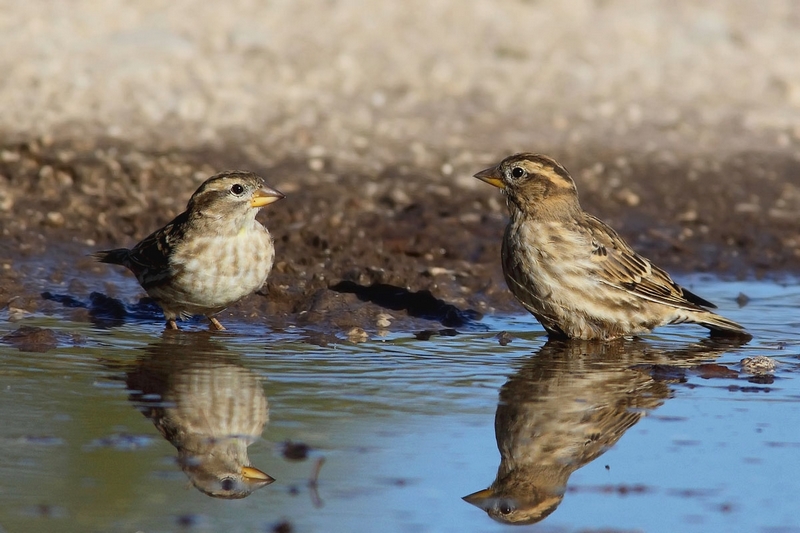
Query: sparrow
(566, 406)
(210, 256)
(574, 273)
(208, 406)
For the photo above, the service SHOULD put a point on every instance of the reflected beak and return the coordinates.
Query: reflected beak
(479, 498)
(492, 176)
(251, 473)
(265, 196)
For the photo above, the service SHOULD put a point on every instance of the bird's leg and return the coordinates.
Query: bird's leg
(171, 324)
(215, 323)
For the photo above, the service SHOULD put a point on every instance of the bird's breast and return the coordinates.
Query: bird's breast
(544, 263)
(545, 249)
(221, 269)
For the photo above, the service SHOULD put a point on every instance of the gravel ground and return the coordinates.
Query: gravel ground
(679, 121)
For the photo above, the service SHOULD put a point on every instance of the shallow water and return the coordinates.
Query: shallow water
(129, 429)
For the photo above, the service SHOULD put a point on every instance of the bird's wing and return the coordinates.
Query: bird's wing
(621, 267)
(153, 252)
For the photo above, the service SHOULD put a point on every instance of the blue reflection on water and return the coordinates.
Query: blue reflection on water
(407, 428)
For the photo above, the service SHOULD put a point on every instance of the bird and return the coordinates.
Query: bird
(567, 405)
(207, 405)
(210, 256)
(573, 272)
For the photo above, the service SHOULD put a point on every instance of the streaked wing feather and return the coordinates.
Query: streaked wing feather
(695, 299)
(622, 267)
(153, 252)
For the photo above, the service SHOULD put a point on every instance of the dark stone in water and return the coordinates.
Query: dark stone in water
(742, 299)
(295, 451)
(283, 527)
(32, 339)
(504, 338)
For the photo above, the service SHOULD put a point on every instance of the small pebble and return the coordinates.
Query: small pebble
(283, 527)
(189, 520)
(55, 219)
(295, 451)
(384, 320)
(628, 197)
(15, 314)
(760, 364)
(424, 335)
(742, 299)
(437, 271)
(504, 338)
(357, 335)
(32, 339)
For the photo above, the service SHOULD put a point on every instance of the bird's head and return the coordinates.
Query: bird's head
(507, 509)
(233, 485)
(232, 191)
(531, 182)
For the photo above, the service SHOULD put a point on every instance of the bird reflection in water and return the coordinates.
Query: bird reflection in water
(565, 407)
(207, 405)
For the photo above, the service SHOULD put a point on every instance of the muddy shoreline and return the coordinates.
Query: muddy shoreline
(360, 248)
(678, 121)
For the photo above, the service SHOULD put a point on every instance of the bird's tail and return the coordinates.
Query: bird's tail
(118, 256)
(720, 326)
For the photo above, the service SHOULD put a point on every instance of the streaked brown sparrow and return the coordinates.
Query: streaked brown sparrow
(573, 272)
(211, 255)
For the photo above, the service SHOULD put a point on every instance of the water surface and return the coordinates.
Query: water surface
(133, 429)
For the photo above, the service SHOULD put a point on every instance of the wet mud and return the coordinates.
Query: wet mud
(365, 247)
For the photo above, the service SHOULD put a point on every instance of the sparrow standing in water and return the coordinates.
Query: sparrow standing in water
(573, 272)
(211, 255)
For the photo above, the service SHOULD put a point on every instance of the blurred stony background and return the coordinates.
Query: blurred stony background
(410, 81)
(680, 122)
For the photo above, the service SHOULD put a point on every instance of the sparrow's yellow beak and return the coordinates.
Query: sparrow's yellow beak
(492, 176)
(265, 196)
(479, 498)
(251, 473)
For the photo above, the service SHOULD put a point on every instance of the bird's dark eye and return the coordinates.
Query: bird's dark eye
(505, 508)
(237, 189)
(517, 172)
(228, 483)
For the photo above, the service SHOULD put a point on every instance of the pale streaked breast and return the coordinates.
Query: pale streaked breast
(220, 270)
